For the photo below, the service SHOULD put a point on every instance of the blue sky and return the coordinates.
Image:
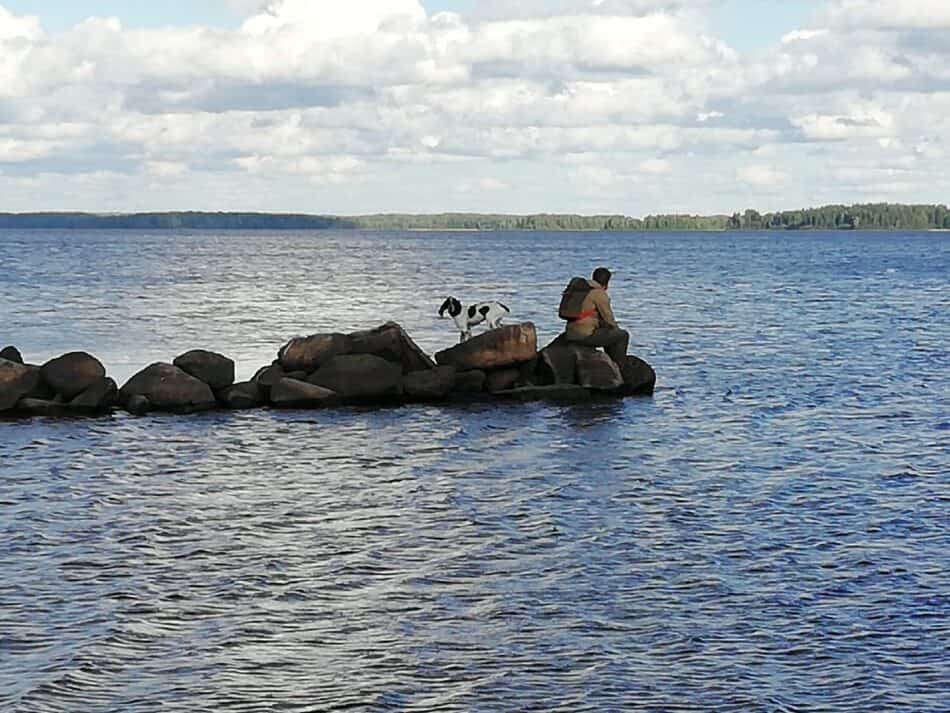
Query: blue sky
(744, 24)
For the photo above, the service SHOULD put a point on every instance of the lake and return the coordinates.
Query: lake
(769, 532)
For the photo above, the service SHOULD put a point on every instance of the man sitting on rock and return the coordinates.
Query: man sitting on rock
(595, 325)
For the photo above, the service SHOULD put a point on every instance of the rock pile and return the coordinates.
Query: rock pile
(378, 367)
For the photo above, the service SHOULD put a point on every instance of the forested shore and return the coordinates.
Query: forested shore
(872, 216)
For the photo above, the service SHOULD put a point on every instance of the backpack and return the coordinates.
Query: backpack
(572, 299)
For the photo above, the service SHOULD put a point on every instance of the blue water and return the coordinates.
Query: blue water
(770, 532)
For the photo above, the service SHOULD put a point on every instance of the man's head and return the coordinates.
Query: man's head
(602, 276)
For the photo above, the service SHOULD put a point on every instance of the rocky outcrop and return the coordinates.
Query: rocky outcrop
(308, 354)
(11, 354)
(99, 397)
(639, 378)
(469, 382)
(390, 342)
(16, 381)
(360, 378)
(246, 395)
(290, 393)
(595, 370)
(73, 373)
(430, 385)
(498, 348)
(216, 370)
(168, 388)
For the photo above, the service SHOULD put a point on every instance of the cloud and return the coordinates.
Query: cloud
(614, 105)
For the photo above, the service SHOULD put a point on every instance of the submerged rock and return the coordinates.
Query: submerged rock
(168, 388)
(72, 373)
(216, 370)
(560, 393)
(498, 348)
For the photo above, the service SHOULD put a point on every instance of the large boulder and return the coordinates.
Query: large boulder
(245, 395)
(101, 396)
(392, 343)
(557, 364)
(502, 380)
(72, 373)
(310, 353)
(498, 348)
(168, 388)
(16, 381)
(639, 378)
(431, 384)
(596, 370)
(361, 377)
(11, 354)
(216, 370)
(469, 382)
(290, 393)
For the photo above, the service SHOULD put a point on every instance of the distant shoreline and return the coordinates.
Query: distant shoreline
(863, 217)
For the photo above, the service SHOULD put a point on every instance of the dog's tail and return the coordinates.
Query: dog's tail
(504, 308)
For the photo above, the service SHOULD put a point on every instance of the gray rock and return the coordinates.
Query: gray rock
(216, 370)
(310, 353)
(639, 378)
(596, 370)
(16, 381)
(138, 405)
(72, 373)
(168, 388)
(361, 377)
(505, 346)
(501, 380)
(430, 384)
(290, 393)
(11, 354)
(40, 407)
(469, 382)
(245, 395)
(101, 396)
(392, 343)
(557, 365)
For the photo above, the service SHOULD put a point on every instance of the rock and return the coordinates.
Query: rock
(392, 343)
(266, 377)
(245, 395)
(138, 405)
(596, 370)
(310, 353)
(101, 396)
(561, 393)
(216, 370)
(290, 393)
(11, 354)
(360, 377)
(501, 380)
(431, 384)
(72, 373)
(298, 375)
(469, 382)
(168, 388)
(498, 348)
(16, 381)
(639, 378)
(41, 390)
(40, 407)
(557, 365)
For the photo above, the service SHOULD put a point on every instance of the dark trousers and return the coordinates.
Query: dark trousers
(614, 342)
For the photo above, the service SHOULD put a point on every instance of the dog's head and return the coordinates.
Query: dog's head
(452, 306)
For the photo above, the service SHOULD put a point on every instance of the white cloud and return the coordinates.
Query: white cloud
(621, 105)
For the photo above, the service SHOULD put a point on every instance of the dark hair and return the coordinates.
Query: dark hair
(602, 276)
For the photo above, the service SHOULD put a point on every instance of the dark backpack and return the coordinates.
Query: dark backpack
(572, 299)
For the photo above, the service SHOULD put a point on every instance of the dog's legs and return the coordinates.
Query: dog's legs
(463, 336)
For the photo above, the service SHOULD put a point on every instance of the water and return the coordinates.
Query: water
(770, 532)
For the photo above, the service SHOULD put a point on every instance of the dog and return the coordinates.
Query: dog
(489, 312)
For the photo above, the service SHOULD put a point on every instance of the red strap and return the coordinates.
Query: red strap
(585, 315)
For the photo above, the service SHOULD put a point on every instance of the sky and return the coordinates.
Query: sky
(515, 106)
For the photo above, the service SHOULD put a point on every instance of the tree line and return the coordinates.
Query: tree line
(872, 216)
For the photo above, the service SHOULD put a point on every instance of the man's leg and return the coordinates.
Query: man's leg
(613, 341)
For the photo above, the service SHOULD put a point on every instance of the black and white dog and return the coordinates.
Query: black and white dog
(489, 312)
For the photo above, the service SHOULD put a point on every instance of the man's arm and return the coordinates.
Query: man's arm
(602, 303)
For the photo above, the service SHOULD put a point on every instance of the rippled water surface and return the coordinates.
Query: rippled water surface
(770, 532)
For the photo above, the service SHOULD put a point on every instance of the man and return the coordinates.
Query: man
(596, 325)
